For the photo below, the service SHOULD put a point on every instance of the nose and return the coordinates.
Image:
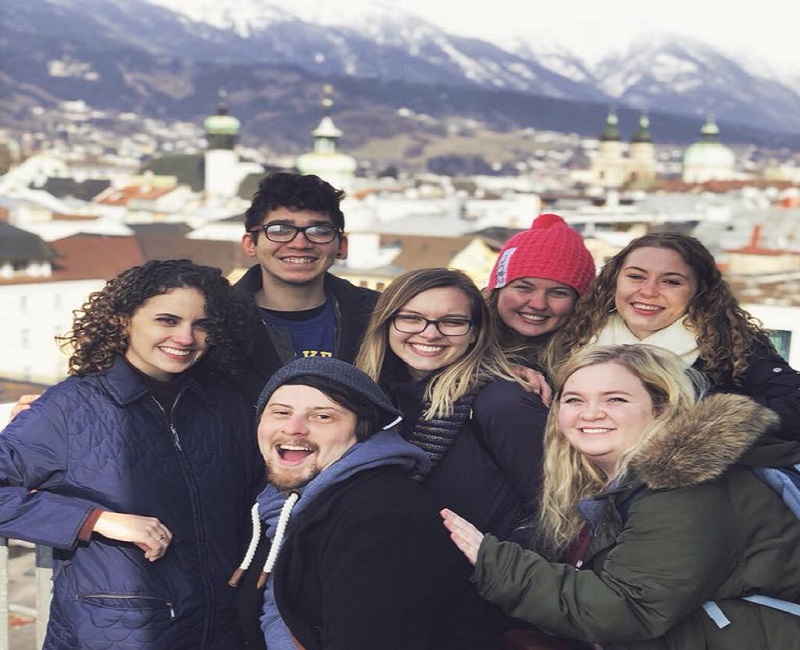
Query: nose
(538, 301)
(592, 411)
(649, 288)
(184, 334)
(296, 425)
(430, 332)
(300, 241)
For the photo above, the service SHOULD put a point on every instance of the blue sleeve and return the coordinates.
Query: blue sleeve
(33, 464)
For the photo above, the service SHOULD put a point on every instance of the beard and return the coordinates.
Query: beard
(290, 479)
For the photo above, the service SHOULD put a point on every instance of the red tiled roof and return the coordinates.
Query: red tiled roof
(86, 257)
(124, 195)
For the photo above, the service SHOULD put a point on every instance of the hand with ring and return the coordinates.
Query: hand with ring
(148, 533)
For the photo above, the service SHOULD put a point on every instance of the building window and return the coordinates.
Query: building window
(782, 340)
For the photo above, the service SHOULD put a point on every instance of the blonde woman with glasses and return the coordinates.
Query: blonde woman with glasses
(431, 345)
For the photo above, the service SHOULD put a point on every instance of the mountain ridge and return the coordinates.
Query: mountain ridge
(148, 59)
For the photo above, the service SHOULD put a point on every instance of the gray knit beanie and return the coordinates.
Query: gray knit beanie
(341, 372)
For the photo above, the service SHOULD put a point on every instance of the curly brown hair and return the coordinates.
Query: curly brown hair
(99, 329)
(726, 334)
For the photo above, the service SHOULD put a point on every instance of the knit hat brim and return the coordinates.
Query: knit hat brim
(336, 370)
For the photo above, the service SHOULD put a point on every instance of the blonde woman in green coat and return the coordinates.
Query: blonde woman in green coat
(653, 527)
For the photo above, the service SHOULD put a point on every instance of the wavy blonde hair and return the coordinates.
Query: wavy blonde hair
(569, 476)
(726, 334)
(482, 361)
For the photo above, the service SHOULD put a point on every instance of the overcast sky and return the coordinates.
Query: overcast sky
(765, 29)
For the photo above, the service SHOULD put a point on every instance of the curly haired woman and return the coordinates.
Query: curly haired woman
(134, 467)
(665, 289)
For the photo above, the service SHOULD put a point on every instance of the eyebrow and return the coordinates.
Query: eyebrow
(605, 393)
(291, 222)
(411, 312)
(632, 267)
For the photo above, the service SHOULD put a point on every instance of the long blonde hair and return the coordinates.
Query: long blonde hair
(483, 359)
(569, 476)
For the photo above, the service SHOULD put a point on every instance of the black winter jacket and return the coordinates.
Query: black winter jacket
(371, 566)
(352, 307)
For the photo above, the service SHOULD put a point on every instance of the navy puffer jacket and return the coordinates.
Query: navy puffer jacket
(102, 441)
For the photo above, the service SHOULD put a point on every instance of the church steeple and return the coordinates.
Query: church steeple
(611, 132)
(642, 134)
(709, 131)
(222, 129)
(324, 160)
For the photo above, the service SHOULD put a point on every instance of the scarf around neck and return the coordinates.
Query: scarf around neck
(380, 449)
(678, 338)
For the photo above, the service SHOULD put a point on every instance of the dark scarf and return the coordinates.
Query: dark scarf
(434, 436)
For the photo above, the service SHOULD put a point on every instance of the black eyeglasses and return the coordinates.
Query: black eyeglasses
(409, 324)
(283, 233)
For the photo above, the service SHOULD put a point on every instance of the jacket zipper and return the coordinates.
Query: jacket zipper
(166, 603)
(175, 438)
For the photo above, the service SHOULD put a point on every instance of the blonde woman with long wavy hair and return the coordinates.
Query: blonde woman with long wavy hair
(654, 531)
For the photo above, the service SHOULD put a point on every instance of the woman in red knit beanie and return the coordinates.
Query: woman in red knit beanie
(537, 279)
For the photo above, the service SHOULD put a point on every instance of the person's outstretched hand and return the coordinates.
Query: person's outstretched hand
(465, 536)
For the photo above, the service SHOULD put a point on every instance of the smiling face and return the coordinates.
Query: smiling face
(167, 334)
(299, 261)
(653, 289)
(428, 351)
(301, 432)
(603, 410)
(535, 306)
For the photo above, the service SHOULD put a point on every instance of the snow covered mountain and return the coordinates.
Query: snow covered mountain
(158, 55)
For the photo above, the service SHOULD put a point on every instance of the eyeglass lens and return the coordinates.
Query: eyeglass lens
(447, 326)
(285, 232)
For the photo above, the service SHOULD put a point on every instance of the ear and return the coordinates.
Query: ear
(248, 245)
(342, 254)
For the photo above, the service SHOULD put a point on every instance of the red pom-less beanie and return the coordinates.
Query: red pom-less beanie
(548, 249)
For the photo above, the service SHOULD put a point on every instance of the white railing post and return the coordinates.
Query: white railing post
(44, 590)
(4, 640)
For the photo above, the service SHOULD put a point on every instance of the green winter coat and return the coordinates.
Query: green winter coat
(691, 523)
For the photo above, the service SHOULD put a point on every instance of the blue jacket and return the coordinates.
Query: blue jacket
(102, 441)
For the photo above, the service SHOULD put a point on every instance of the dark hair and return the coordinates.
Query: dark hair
(726, 334)
(99, 330)
(296, 192)
(368, 415)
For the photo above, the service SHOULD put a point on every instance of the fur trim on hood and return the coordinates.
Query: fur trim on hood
(700, 445)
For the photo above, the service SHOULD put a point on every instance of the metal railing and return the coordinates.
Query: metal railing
(43, 571)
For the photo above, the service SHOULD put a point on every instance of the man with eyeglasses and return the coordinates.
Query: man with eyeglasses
(294, 229)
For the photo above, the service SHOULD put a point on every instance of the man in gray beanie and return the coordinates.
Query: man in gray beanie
(358, 558)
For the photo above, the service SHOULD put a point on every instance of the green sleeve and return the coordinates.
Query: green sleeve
(673, 552)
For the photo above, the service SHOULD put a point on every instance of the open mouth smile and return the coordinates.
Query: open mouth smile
(293, 453)
(176, 352)
(642, 307)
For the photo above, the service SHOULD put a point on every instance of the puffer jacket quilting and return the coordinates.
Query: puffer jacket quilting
(102, 441)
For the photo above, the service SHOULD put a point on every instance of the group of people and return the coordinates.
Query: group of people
(589, 443)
